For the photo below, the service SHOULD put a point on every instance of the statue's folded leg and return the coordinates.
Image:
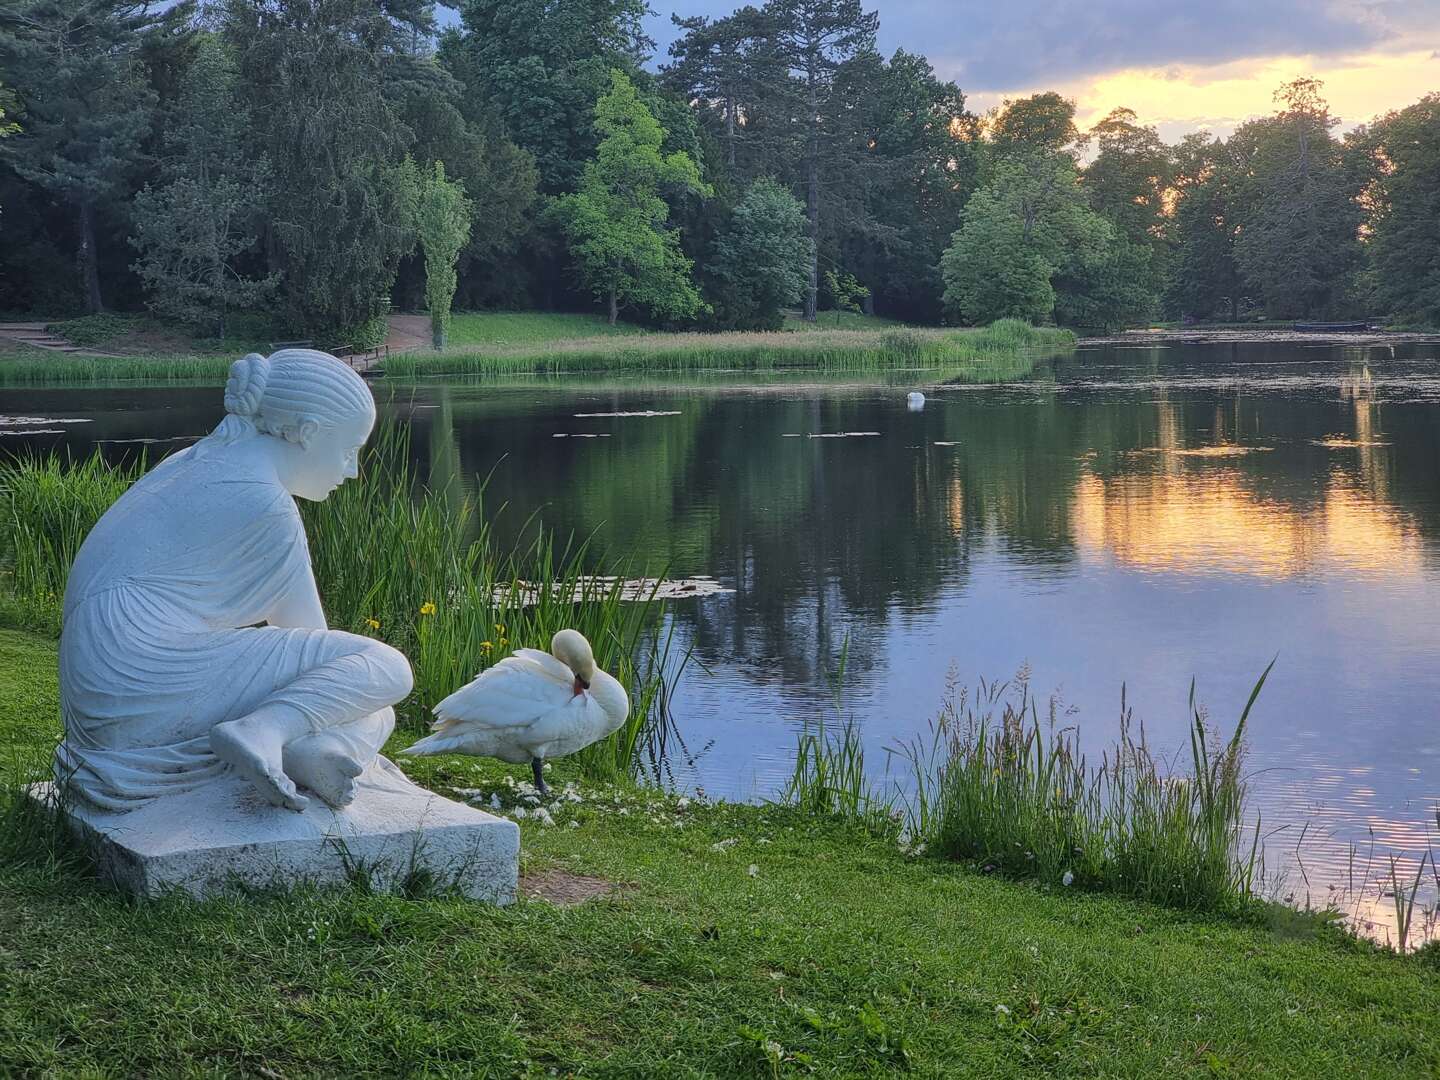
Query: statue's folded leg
(328, 762)
(325, 724)
(142, 710)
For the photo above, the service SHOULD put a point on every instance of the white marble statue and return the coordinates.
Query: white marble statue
(194, 642)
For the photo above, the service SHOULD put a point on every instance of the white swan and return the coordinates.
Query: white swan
(531, 706)
(915, 401)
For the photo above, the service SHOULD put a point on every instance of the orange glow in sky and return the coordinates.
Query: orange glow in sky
(1179, 99)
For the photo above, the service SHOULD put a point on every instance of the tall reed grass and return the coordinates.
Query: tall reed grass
(1006, 346)
(997, 784)
(1005, 349)
(393, 559)
(60, 369)
(47, 508)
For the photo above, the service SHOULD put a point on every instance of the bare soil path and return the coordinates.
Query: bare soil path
(409, 332)
(36, 336)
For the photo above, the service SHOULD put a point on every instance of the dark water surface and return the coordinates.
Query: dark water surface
(1136, 516)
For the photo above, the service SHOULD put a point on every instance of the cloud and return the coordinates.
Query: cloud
(1023, 42)
(988, 46)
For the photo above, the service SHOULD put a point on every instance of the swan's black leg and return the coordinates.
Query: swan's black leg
(538, 768)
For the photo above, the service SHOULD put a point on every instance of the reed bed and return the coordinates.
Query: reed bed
(32, 368)
(997, 785)
(1006, 349)
(395, 560)
(1005, 341)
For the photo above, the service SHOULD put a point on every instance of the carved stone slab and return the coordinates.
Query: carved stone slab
(224, 836)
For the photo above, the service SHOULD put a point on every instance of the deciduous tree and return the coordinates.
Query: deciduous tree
(763, 257)
(615, 223)
(1019, 231)
(443, 224)
(1405, 197)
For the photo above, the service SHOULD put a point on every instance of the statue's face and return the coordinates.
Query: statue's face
(329, 457)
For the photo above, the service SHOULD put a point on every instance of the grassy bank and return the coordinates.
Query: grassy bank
(736, 941)
(1006, 350)
(1000, 349)
(486, 329)
(997, 786)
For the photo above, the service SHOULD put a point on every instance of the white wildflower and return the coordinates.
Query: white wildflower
(753, 870)
(574, 824)
(1067, 878)
(724, 845)
(1002, 1010)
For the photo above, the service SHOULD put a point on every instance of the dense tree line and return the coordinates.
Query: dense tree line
(323, 160)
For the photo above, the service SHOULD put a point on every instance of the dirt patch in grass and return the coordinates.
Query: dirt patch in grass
(564, 889)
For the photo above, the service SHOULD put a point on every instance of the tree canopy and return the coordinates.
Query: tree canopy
(258, 157)
(615, 223)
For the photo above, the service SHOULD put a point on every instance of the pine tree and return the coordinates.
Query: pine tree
(76, 67)
(342, 198)
(195, 229)
(814, 38)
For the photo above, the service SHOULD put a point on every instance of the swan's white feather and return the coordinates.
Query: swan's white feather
(525, 707)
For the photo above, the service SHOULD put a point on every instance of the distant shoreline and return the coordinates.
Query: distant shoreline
(1206, 337)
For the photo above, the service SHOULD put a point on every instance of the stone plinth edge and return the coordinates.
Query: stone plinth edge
(225, 837)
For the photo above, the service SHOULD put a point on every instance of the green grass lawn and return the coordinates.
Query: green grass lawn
(740, 941)
(469, 328)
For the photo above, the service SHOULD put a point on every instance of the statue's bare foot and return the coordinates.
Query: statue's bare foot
(254, 749)
(325, 765)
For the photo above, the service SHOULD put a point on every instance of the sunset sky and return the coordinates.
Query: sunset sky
(1181, 66)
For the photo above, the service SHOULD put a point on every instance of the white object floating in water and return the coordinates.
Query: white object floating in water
(947, 443)
(30, 421)
(527, 593)
(593, 435)
(647, 412)
(172, 438)
(915, 401)
(828, 435)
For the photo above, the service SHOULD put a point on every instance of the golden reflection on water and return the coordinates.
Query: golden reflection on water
(1196, 511)
(1206, 521)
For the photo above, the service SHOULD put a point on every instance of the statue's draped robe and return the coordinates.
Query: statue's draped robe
(161, 642)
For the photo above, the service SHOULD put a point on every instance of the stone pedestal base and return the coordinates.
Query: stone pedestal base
(225, 836)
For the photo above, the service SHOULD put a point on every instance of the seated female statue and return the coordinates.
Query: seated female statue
(194, 641)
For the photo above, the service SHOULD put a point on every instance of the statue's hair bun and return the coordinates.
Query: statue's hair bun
(246, 385)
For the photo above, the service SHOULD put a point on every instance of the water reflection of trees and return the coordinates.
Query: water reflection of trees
(827, 537)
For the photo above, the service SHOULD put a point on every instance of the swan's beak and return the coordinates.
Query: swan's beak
(580, 685)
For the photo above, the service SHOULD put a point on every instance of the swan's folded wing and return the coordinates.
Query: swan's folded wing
(514, 693)
(544, 663)
(576, 724)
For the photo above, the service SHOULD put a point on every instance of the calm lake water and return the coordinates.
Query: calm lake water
(1135, 516)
